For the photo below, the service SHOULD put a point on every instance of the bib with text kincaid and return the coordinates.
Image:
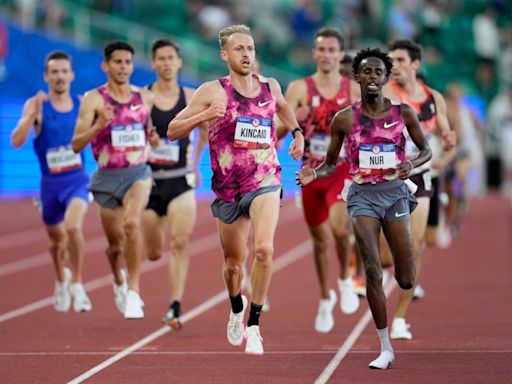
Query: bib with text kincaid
(377, 159)
(252, 132)
(128, 137)
(62, 159)
(167, 152)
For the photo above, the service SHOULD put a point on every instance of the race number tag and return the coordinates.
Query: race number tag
(62, 159)
(167, 152)
(252, 132)
(318, 145)
(374, 158)
(128, 137)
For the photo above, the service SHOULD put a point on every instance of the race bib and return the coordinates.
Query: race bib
(374, 158)
(252, 132)
(167, 152)
(319, 144)
(128, 137)
(62, 159)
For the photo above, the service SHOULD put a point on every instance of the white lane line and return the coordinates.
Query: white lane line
(202, 244)
(95, 244)
(350, 340)
(24, 237)
(280, 263)
(327, 351)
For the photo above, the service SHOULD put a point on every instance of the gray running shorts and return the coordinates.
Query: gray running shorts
(109, 185)
(387, 201)
(227, 212)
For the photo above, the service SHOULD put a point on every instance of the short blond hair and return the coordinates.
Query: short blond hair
(232, 29)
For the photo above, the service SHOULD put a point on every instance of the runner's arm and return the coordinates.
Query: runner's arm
(206, 104)
(30, 117)
(92, 118)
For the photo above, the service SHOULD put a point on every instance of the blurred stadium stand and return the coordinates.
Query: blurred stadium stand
(283, 29)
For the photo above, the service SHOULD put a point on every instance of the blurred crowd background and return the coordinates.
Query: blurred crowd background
(467, 53)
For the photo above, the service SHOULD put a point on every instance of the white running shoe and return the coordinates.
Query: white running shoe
(419, 292)
(120, 292)
(324, 320)
(235, 330)
(254, 344)
(349, 301)
(400, 329)
(81, 302)
(384, 360)
(61, 296)
(134, 305)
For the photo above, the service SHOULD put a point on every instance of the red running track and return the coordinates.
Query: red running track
(462, 328)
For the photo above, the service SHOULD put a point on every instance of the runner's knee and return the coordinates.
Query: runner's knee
(405, 279)
(263, 253)
(179, 244)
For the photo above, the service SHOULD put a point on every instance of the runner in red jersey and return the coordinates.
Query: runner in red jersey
(316, 99)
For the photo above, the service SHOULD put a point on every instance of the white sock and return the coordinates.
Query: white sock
(385, 342)
(347, 281)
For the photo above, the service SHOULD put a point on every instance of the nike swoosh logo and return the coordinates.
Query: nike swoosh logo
(341, 101)
(260, 104)
(386, 125)
(401, 214)
(135, 107)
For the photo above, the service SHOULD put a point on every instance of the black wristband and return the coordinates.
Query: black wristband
(298, 129)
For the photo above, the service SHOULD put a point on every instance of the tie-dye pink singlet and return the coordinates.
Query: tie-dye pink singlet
(375, 147)
(122, 143)
(242, 144)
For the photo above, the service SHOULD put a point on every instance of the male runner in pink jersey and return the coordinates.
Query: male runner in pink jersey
(114, 118)
(238, 111)
(373, 130)
(316, 99)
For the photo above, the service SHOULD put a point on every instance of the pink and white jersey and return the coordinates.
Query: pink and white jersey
(375, 147)
(242, 143)
(122, 143)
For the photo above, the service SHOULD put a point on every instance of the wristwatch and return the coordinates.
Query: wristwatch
(298, 129)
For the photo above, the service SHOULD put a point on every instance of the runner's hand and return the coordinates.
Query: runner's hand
(296, 149)
(305, 176)
(216, 110)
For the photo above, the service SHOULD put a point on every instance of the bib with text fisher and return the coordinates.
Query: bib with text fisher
(253, 132)
(377, 159)
(167, 152)
(128, 137)
(62, 159)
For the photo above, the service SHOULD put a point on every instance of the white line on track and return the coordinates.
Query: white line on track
(328, 351)
(203, 244)
(93, 245)
(350, 340)
(279, 263)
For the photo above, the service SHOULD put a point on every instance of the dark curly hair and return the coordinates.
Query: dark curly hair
(376, 52)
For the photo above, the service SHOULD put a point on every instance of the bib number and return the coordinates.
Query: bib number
(62, 159)
(253, 132)
(375, 159)
(318, 145)
(128, 137)
(167, 152)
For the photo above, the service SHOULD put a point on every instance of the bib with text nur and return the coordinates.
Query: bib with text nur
(377, 159)
(62, 159)
(167, 152)
(128, 137)
(252, 132)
